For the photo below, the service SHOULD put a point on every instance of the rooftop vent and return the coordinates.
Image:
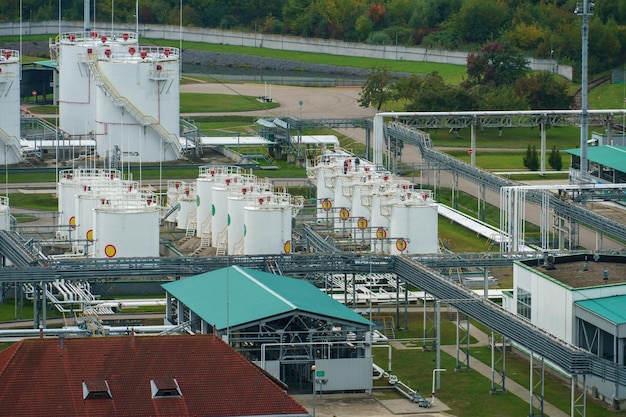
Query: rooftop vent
(96, 390)
(605, 275)
(165, 388)
(548, 261)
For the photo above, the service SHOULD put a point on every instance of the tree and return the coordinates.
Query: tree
(555, 160)
(479, 20)
(496, 64)
(543, 91)
(433, 94)
(531, 159)
(377, 89)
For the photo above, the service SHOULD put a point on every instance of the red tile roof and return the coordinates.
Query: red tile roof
(39, 377)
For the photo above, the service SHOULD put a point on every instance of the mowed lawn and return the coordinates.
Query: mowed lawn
(213, 103)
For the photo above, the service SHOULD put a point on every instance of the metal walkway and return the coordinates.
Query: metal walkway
(479, 176)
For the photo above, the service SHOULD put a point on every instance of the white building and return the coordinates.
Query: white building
(580, 299)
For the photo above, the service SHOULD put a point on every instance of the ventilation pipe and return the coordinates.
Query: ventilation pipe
(86, 17)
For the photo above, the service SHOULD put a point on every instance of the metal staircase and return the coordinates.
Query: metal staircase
(192, 224)
(150, 122)
(12, 145)
(222, 242)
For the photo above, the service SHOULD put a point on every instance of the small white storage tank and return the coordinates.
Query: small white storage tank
(10, 106)
(237, 201)
(267, 226)
(186, 206)
(97, 194)
(204, 190)
(219, 210)
(70, 181)
(126, 228)
(5, 214)
(138, 103)
(77, 88)
(413, 226)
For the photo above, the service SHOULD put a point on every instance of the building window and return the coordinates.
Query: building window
(165, 388)
(524, 299)
(96, 390)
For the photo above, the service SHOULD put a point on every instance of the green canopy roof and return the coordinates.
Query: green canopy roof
(610, 156)
(234, 296)
(613, 309)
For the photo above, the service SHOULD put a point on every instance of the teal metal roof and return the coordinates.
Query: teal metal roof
(48, 64)
(233, 296)
(612, 309)
(610, 156)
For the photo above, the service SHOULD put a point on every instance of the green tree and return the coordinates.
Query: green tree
(543, 90)
(495, 64)
(504, 97)
(377, 89)
(531, 159)
(479, 20)
(555, 160)
(433, 94)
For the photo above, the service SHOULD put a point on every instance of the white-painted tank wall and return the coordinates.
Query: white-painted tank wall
(126, 229)
(417, 225)
(187, 206)
(10, 99)
(77, 89)
(208, 176)
(152, 86)
(267, 229)
(70, 181)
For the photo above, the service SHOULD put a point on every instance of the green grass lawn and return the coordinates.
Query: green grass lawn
(608, 96)
(208, 103)
(512, 138)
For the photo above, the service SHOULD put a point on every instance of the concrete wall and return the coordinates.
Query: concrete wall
(280, 42)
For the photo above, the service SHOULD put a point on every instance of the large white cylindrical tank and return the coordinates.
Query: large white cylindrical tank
(5, 214)
(10, 106)
(126, 229)
(70, 182)
(267, 228)
(413, 227)
(138, 105)
(77, 87)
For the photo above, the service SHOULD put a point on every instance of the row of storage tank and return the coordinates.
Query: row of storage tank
(105, 216)
(371, 207)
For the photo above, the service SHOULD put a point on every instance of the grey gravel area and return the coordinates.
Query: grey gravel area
(217, 59)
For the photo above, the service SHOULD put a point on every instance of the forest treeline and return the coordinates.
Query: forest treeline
(538, 28)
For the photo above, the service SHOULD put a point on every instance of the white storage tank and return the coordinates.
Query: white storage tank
(204, 190)
(138, 103)
(87, 198)
(70, 181)
(413, 227)
(186, 206)
(219, 209)
(10, 106)
(267, 226)
(77, 87)
(5, 214)
(238, 199)
(126, 228)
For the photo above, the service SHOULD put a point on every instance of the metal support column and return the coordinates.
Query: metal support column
(473, 142)
(536, 389)
(542, 130)
(579, 402)
(462, 356)
(498, 376)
